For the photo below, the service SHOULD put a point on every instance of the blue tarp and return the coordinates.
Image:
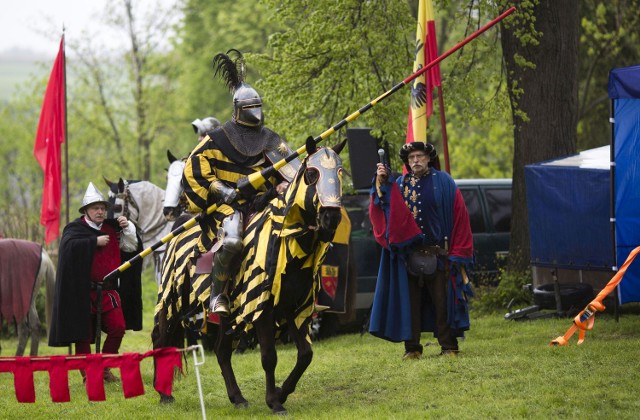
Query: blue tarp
(624, 83)
(568, 201)
(624, 90)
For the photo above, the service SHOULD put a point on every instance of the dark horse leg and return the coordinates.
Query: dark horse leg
(266, 338)
(303, 360)
(223, 348)
(167, 333)
(276, 396)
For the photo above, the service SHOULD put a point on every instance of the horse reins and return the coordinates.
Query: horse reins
(126, 198)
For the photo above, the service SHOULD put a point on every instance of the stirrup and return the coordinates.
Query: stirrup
(220, 305)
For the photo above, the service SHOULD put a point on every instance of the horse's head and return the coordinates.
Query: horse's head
(116, 197)
(323, 173)
(173, 206)
(120, 200)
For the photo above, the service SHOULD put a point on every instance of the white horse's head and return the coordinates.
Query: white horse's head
(119, 200)
(173, 192)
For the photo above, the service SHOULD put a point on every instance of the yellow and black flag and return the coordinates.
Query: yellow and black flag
(422, 87)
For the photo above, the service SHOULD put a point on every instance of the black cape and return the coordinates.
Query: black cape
(71, 308)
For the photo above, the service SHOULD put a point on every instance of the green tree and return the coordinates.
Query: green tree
(122, 103)
(477, 106)
(209, 28)
(21, 179)
(333, 57)
(120, 114)
(542, 69)
(609, 38)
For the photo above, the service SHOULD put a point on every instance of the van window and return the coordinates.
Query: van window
(472, 200)
(499, 202)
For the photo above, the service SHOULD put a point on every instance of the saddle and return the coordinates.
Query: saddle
(204, 262)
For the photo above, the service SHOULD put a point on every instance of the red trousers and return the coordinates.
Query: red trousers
(112, 323)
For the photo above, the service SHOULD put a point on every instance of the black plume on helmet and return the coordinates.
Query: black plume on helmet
(247, 104)
(427, 148)
(232, 70)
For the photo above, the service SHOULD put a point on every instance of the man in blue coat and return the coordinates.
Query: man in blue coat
(422, 223)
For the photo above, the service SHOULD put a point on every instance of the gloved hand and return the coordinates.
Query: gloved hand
(261, 201)
(222, 192)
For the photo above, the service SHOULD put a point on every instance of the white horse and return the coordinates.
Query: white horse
(24, 265)
(142, 202)
(174, 201)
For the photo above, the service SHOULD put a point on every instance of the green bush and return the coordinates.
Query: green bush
(511, 288)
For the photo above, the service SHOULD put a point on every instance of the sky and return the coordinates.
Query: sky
(36, 25)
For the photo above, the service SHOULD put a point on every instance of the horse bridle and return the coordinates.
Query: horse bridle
(312, 174)
(126, 199)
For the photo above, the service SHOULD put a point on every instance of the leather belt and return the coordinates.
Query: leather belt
(106, 285)
(431, 250)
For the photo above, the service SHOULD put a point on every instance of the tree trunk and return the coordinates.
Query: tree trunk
(549, 99)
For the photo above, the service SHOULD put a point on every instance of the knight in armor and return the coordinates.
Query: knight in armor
(202, 126)
(227, 153)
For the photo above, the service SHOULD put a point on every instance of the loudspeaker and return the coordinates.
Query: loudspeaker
(363, 156)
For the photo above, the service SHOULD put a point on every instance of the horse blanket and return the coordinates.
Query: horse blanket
(277, 244)
(179, 272)
(19, 266)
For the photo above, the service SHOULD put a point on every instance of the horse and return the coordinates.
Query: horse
(283, 248)
(24, 266)
(174, 200)
(181, 275)
(141, 202)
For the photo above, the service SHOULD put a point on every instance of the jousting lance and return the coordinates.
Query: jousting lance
(255, 180)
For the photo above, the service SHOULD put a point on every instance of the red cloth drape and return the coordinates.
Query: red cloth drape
(59, 380)
(166, 360)
(396, 213)
(51, 134)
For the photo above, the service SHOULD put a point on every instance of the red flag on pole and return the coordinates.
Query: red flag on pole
(51, 134)
(422, 87)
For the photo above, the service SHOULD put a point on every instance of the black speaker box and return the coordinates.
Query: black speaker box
(363, 156)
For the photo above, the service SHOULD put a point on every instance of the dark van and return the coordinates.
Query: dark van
(489, 204)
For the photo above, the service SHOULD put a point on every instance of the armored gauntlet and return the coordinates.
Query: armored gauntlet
(222, 192)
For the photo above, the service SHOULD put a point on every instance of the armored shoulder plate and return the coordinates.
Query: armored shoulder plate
(279, 152)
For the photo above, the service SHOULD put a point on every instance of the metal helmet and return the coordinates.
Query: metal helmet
(427, 148)
(92, 196)
(328, 165)
(247, 106)
(201, 127)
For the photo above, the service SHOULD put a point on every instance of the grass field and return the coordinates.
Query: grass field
(506, 369)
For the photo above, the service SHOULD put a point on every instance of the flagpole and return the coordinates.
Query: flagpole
(443, 129)
(66, 147)
(66, 135)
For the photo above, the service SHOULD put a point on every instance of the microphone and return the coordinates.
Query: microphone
(381, 155)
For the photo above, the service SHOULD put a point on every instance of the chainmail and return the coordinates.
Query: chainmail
(250, 141)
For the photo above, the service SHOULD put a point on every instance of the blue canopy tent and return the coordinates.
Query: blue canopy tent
(573, 222)
(568, 203)
(624, 92)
